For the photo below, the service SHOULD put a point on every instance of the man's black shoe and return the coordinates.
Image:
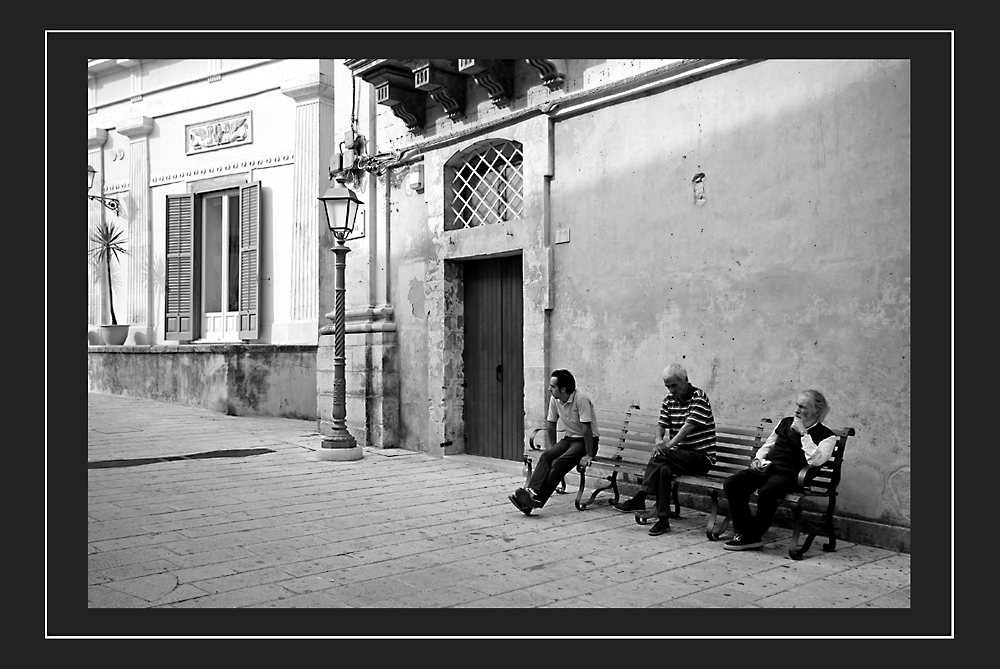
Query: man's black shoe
(742, 542)
(662, 525)
(533, 498)
(520, 507)
(630, 506)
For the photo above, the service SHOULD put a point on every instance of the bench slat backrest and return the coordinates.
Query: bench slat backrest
(630, 435)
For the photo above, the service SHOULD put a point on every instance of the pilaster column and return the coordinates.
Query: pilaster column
(139, 295)
(314, 145)
(96, 139)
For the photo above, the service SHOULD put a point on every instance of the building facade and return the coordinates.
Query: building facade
(217, 165)
(747, 219)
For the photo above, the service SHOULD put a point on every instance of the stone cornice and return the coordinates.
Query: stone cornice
(139, 126)
(96, 137)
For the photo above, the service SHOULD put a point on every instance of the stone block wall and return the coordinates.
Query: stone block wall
(239, 380)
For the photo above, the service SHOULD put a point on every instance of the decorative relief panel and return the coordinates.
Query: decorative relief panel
(220, 133)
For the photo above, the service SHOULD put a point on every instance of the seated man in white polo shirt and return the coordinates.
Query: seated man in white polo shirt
(572, 412)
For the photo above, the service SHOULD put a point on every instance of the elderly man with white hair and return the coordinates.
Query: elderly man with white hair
(797, 441)
(685, 444)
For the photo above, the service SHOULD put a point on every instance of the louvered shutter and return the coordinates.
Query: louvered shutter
(249, 259)
(179, 287)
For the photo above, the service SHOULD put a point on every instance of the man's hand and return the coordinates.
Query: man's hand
(584, 462)
(799, 426)
(759, 465)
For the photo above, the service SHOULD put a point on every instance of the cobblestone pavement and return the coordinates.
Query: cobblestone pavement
(250, 518)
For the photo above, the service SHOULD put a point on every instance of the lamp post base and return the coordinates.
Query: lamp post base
(339, 449)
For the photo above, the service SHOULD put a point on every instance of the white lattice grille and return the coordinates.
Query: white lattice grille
(487, 186)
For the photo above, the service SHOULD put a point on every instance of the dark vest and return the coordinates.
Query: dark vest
(787, 450)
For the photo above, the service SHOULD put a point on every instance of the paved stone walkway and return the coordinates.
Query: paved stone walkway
(269, 525)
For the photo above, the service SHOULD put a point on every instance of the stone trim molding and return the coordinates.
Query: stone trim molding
(177, 84)
(120, 187)
(221, 168)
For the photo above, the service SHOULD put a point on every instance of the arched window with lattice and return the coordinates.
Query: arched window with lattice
(485, 185)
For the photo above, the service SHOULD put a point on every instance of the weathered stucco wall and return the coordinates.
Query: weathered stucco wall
(413, 254)
(239, 380)
(753, 226)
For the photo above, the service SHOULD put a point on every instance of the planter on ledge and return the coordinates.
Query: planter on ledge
(114, 335)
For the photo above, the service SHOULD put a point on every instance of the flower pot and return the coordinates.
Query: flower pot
(114, 335)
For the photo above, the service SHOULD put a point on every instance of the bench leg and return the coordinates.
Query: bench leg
(794, 550)
(676, 513)
(613, 486)
(715, 528)
(831, 545)
(527, 470)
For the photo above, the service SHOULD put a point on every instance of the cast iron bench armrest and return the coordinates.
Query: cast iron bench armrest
(818, 482)
(804, 475)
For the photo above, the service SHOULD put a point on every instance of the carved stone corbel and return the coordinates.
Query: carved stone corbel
(496, 76)
(397, 93)
(552, 71)
(394, 88)
(440, 80)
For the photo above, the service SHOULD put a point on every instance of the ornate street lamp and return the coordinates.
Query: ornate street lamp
(341, 208)
(109, 202)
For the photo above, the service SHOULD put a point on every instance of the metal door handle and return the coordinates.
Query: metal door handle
(499, 372)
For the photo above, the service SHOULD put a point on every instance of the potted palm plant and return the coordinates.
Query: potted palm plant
(109, 242)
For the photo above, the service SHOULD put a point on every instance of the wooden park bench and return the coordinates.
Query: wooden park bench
(627, 439)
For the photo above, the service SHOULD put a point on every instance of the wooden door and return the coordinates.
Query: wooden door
(494, 358)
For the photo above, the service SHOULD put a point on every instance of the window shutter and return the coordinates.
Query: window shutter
(179, 287)
(249, 259)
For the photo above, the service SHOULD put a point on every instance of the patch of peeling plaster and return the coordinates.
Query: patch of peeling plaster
(415, 296)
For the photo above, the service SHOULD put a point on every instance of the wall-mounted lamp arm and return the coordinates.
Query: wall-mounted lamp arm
(109, 202)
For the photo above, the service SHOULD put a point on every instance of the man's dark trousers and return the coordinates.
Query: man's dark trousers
(555, 462)
(771, 485)
(661, 469)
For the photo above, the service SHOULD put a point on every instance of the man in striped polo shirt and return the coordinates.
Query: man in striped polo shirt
(685, 444)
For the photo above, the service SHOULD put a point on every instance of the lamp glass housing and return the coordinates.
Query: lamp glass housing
(90, 177)
(341, 207)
